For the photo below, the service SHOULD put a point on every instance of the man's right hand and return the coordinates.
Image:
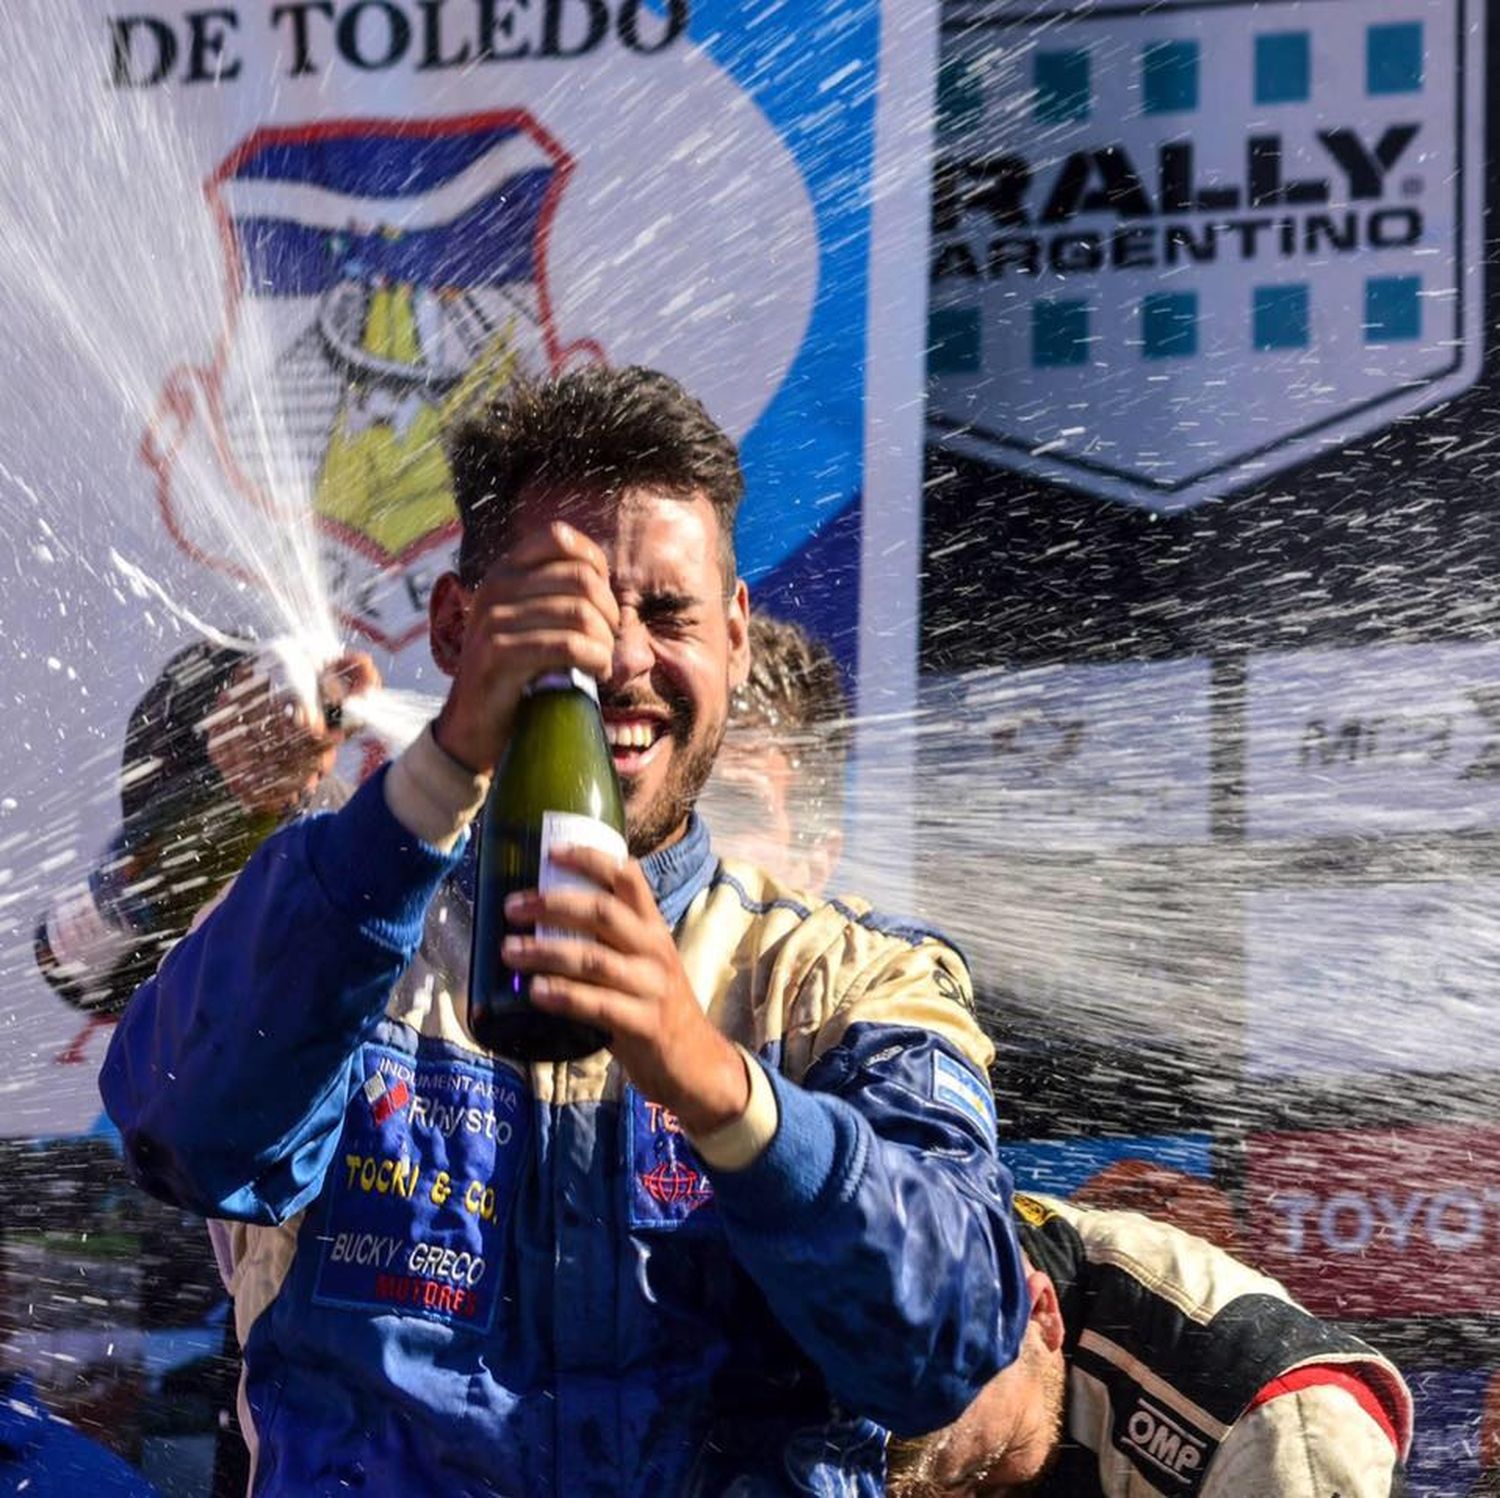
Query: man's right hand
(545, 605)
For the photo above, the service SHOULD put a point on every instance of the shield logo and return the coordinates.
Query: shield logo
(1182, 245)
(383, 276)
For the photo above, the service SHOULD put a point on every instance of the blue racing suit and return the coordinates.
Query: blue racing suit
(454, 1274)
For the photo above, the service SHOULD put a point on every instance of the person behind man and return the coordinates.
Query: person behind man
(1155, 1363)
(776, 796)
(731, 1252)
(217, 753)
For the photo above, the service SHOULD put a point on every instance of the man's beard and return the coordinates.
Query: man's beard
(648, 826)
(1053, 1397)
(914, 1466)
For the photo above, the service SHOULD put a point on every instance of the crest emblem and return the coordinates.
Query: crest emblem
(671, 1182)
(383, 276)
(1179, 247)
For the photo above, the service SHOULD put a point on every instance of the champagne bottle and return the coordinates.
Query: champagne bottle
(556, 785)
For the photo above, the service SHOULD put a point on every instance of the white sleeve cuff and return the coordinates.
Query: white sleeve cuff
(431, 794)
(740, 1143)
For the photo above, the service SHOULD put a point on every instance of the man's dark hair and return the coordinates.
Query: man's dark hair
(597, 430)
(794, 697)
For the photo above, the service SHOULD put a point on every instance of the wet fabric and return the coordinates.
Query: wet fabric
(451, 1273)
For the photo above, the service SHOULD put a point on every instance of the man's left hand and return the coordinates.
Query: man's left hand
(622, 975)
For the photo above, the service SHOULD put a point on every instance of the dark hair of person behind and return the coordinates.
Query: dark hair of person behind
(597, 430)
(795, 696)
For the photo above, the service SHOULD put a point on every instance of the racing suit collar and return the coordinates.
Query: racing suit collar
(1057, 1248)
(679, 871)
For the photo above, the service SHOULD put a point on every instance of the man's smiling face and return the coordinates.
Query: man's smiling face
(681, 650)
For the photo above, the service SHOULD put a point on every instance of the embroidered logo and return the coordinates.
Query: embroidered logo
(1031, 1211)
(668, 1186)
(955, 1086)
(421, 1185)
(1166, 1445)
(672, 1181)
(384, 1100)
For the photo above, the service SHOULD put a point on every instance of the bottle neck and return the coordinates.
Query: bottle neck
(573, 680)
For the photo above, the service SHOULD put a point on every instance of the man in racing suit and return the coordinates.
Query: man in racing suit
(727, 1254)
(1157, 1364)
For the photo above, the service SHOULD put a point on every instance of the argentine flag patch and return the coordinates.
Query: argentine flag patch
(955, 1086)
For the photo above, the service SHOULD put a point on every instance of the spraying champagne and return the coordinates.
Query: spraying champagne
(216, 758)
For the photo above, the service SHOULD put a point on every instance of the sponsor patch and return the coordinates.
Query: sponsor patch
(1162, 1445)
(1031, 1211)
(420, 1187)
(385, 1100)
(955, 1086)
(667, 1184)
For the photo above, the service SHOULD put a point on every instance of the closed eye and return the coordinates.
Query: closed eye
(669, 613)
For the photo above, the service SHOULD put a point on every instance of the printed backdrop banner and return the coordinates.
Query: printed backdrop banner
(262, 255)
(1183, 245)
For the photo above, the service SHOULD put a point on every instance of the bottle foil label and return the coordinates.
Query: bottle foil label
(561, 829)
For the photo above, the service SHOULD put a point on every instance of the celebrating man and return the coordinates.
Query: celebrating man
(728, 1253)
(1154, 1364)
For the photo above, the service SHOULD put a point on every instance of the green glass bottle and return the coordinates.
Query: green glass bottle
(555, 785)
